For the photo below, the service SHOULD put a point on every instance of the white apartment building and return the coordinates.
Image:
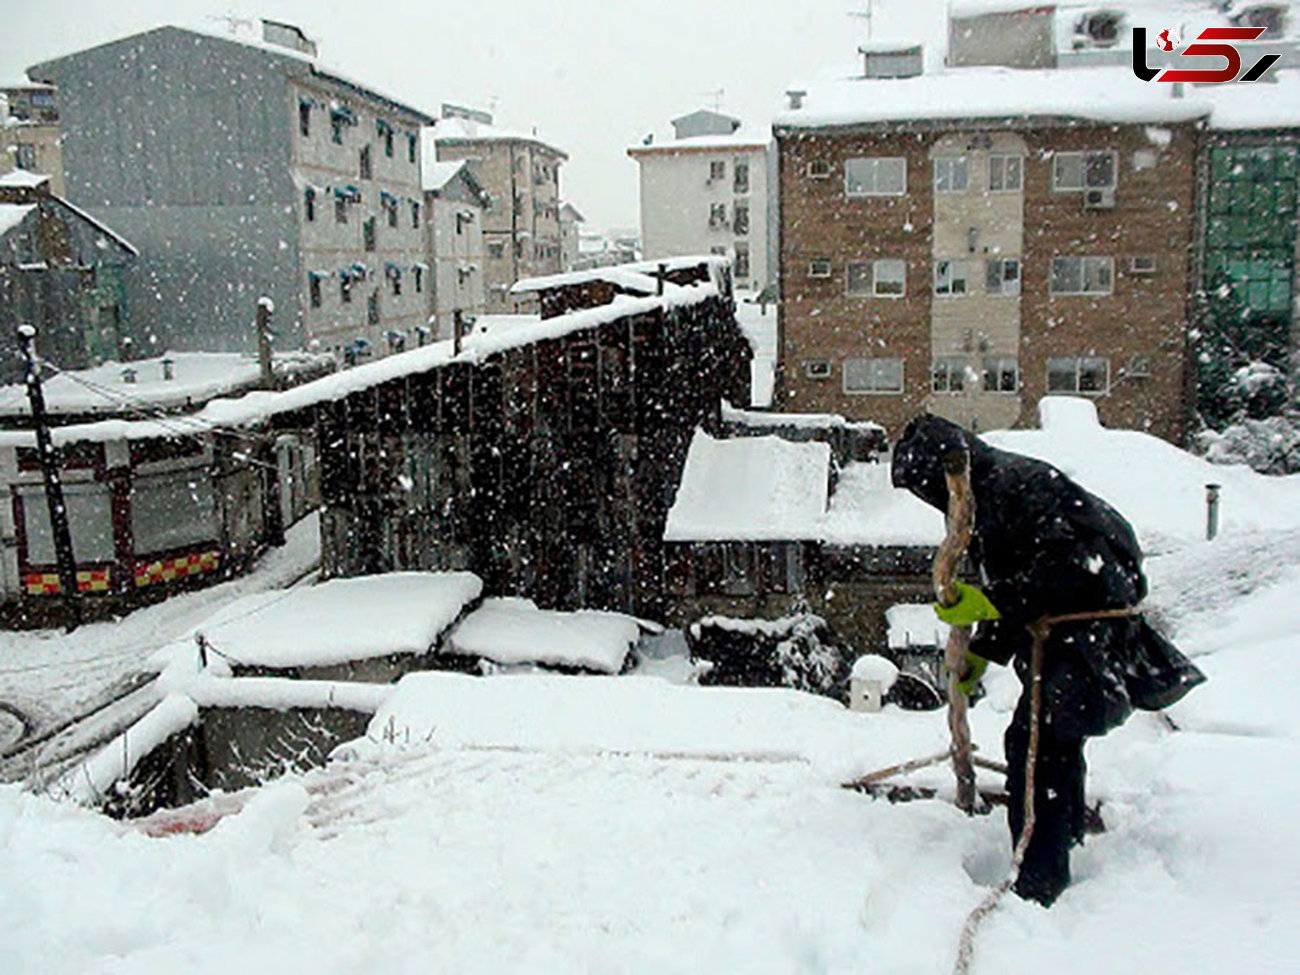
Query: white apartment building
(454, 203)
(706, 192)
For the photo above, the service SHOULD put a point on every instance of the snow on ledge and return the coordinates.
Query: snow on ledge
(513, 631)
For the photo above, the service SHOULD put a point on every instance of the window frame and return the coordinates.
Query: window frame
(875, 291)
(996, 365)
(813, 264)
(945, 169)
(845, 371)
(953, 277)
(717, 170)
(876, 163)
(951, 366)
(1085, 262)
(1004, 158)
(1084, 185)
(1002, 291)
(1079, 364)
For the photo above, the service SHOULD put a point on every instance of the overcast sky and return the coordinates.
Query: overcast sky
(592, 75)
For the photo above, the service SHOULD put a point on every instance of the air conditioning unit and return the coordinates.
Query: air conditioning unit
(1099, 198)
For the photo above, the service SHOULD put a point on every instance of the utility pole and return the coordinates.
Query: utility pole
(53, 485)
(265, 308)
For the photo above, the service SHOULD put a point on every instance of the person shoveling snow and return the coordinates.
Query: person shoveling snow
(1045, 549)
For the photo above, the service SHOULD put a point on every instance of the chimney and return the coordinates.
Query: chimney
(892, 59)
(796, 97)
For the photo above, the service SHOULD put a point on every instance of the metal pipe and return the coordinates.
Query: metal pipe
(1211, 511)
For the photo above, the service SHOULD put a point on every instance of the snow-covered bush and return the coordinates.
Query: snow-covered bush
(1270, 446)
(797, 651)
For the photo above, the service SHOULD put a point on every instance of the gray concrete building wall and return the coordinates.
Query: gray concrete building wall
(178, 141)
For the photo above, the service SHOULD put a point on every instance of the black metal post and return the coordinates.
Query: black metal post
(53, 485)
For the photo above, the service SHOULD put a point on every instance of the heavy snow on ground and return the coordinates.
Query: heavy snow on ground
(567, 824)
(47, 676)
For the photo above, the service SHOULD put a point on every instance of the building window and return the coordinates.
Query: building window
(388, 142)
(875, 176)
(345, 288)
(1083, 170)
(368, 234)
(313, 290)
(390, 209)
(819, 267)
(1001, 375)
(418, 272)
(951, 174)
(309, 203)
(372, 308)
(717, 170)
(395, 280)
(878, 279)
(717, 215)
(819, 169)
(742, 260)
(367, 170)
(740, 176)
(304, 118)
(741, 222)
(948, 374)
(1082, 275)
(950, 278)
(340, 209)
(873, 375)
(415, 215)
(1090, 376)
(1145, 264)
(25, 156)
(496, 250)
(410, 148)
(1006, 174)
(817, 369)
(1002, 276)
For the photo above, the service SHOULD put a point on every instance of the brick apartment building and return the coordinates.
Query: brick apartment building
(968, 241)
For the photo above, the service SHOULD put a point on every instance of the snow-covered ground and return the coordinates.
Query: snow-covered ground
(531, 822)
(562, 824)
(48, 676)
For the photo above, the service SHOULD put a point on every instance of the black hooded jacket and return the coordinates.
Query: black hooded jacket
(1043, 546)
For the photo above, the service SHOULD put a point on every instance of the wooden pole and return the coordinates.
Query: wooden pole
(960, 523)
(59, 527)
(265, 308)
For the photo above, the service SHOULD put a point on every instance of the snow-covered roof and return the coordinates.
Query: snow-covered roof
(457, 130)
(750, 488)
(258, 407)
(199, 377)
(1098, 94)
(514, 631)
(914, 624)
(435, 175)
(765, 419)
(742, 139)
(12, 214)
(342, 620)
(1258, 106)
(616, 274)
(24, 179)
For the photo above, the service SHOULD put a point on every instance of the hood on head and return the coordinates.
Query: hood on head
(918, 457)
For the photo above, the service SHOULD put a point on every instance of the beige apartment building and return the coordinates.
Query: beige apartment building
(521, 176)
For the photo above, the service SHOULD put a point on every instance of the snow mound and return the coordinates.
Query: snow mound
(589, 715)
(342, 620)
(1159, 488)
(915, 624)
(515, 631)
(873, 667)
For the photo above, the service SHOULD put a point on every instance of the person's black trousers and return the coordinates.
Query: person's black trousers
(1058, 804)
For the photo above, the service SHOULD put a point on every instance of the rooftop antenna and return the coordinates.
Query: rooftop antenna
(233, 22)
(718, 96)
(866, 15)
